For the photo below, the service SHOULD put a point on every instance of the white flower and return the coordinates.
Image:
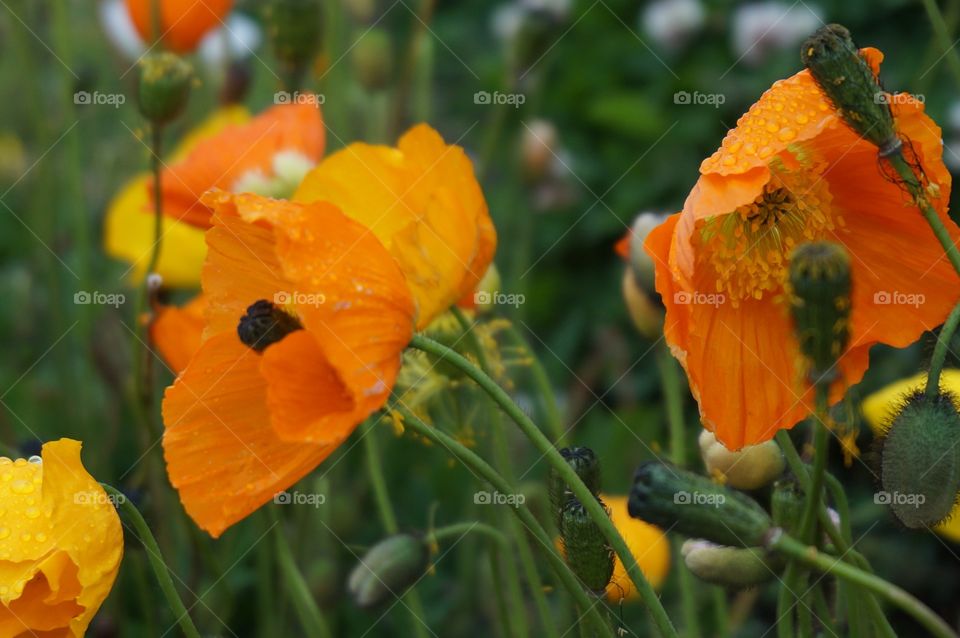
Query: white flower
(670, 23)
(762, 27)
(120, 30)
(238, 38)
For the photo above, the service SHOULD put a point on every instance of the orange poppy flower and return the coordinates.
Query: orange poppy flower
(324, 313)
(268, 155)
(792, 172)
(183, 23)
(422, 200)
(60, 544)
(177, 332)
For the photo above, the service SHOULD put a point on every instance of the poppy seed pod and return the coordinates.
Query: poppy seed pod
(693, 505)
(165, 80)
(850, 84)
(728, 566)
(749, 468)
(920, 461)
(295, 28)
(372, 59)
(820, 287)
(587, 552)
(387, 569)
(584, 462)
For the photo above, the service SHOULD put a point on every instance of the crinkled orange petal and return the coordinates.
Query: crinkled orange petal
(338, 278)
(60, 542)
(235, 153)
(422, 200)
(183, 23)
(176, 332)
(222, 455)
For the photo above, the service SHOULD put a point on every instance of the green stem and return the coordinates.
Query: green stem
(389, 518)
(303, 601)
(595, 510)
(145, 536)
(915, 187)
(821, 449)
(942, 32)
(940, 351)
(460, 529)
(485, 471)
(825, 563)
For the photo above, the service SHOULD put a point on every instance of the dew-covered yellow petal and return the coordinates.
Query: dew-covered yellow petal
(422, 201)
(60, 543)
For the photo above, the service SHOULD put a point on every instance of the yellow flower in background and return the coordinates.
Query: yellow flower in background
(648, 544)
(880, 407)
(129, 223)
(60, 544)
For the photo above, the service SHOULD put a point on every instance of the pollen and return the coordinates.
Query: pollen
(747, 250)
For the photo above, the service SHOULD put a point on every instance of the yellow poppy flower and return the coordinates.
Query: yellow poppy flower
(648, 544)
(880, 407)
(60, 544)
(129, 223)
(422, 201)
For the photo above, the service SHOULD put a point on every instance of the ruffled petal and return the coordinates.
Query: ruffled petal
(177, 331)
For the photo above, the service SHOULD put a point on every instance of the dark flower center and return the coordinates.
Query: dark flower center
(265, 324)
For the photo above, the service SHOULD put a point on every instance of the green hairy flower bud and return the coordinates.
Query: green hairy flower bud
(786, 505)
(585, 463)
(850, 85)
(587, 552)
(372, 59)
(920, 461)
(693, 505)
(165, 80)
(820, 287)
(295, 28)
(387, 569)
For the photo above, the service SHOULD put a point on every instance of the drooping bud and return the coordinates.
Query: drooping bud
(850, 85)
(587, 552)
(920, 461)
(749, 468)
(388, 569)
(729, 566)
(585, 463)
(295, 28)
(693, 505)
(641, 263)
(372, 59)
(265, 324)
(787, 504)
(646, 313)
(165, 80)
(820, 287)
(538, 144)
(484, 295)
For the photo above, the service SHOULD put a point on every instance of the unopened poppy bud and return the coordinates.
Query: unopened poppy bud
(728, 566)
(584, 462)
(749, 468)
(537, 144)
(647, 315)
(588, 554)
(693, 505)
(484, 296)
(372, 59)
(641, 263)
(820, 304)
(388, 569)
(850, 84)
(295, 28)
(165, 80)
(787, 504)
(920, 461)
(265, 324)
